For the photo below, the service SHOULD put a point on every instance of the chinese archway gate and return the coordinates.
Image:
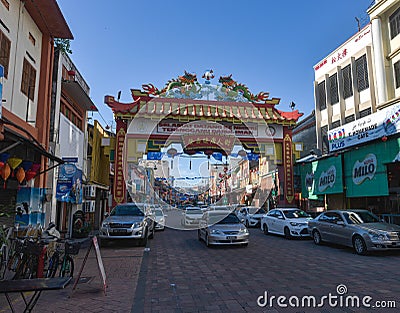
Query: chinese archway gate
(208, 118)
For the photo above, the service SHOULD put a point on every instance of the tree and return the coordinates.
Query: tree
(63, 45)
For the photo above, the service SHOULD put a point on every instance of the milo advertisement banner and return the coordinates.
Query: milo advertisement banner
(365, 170)
(328, 176)
(307, 172)
(382, 123)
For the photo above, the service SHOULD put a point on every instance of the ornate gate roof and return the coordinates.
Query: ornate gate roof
(186, 99)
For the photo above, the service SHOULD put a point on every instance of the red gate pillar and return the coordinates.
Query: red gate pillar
(119, 190)
(288, 166)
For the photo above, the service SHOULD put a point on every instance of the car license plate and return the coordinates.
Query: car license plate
(119, 230)
(230, 237)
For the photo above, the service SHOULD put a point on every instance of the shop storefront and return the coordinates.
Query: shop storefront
(372, 177)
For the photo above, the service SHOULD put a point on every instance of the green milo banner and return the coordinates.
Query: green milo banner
(328, 177)
(307, 171)
(365, 169)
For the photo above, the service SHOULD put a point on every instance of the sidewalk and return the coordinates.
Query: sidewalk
(121, 262)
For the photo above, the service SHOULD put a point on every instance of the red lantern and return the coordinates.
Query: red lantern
(29, 175)
(208, 152)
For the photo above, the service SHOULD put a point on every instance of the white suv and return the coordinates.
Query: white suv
(286, 221)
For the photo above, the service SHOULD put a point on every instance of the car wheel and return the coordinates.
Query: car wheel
(198, 235)
(359, 245)
(152, 234)
(287, 233)
(207, 240)
(265, 229)
(143, 241)
(317, 237)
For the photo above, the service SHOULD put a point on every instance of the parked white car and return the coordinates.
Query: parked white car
(290, 222)
(192, 216)
(159, 219)
(251, 216)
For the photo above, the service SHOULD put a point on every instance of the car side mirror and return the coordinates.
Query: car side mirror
(242, 220)
(106, 214)
(340, 223)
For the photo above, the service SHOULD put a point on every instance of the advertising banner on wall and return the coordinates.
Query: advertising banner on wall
(365, 171)
(71, 140)
(328, 178)
(307, 180)
(69, 184)
(382, 123)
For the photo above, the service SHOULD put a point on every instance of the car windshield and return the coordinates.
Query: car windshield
(159, 213)
(127, 210)
(194, 211)
(229, 219)
(295, 214)
(360, 217)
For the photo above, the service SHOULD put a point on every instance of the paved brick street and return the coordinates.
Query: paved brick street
(183, 275)
(180, 274)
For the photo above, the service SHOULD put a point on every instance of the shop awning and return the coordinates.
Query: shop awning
(21, 146)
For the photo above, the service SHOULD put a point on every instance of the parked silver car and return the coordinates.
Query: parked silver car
(222, 228)
(128, 221)
(359, 229)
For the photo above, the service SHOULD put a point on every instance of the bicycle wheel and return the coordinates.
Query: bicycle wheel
(30, 268)
(53, 264)
(67, 268)
(3, 260)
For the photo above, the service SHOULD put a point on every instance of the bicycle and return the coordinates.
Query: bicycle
(63, 258)
(5, 250)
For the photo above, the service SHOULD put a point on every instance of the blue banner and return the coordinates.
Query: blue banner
(154, 156)
(252, 156)
(217, 156)
(69, 184)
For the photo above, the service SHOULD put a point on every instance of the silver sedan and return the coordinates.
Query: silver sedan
(359, 229)
(222, 228)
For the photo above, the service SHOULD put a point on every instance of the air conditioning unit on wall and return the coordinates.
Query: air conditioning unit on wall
(89, 191)
(89, 206)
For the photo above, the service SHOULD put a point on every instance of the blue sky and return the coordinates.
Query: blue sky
(267, 45)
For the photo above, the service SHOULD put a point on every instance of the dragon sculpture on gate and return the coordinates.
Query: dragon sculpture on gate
(187, 86)
(230, 85)
(185, 83)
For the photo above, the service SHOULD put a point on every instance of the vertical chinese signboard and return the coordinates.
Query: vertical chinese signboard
(288, 168)
(119, 183)
(1, 90)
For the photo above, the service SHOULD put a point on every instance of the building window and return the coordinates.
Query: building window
(5, 45)
(362, 73)
(347, 87)
(32, 39)
(321, 96)
(324, 136)
(335, 124)
(349, 119)
(28, 80)
(394, 21)
(365, 112)
(397, 73)
(333, 87)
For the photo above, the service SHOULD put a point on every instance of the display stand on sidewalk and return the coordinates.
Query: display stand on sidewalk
(94, 243)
